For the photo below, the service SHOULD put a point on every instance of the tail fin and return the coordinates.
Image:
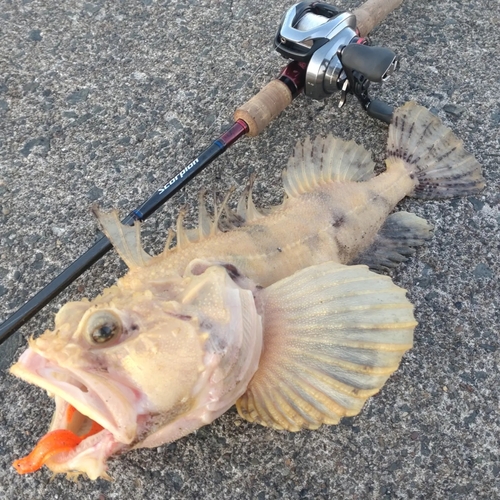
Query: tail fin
(432, 154)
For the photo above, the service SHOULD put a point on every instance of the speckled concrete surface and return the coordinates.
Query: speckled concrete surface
(104, 101)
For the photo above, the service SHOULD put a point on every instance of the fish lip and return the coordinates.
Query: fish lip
(89, 457)
(80, 391)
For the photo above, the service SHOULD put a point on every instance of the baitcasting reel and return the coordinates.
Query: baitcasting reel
(325, 39)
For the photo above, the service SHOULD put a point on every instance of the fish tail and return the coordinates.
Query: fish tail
(432, 155)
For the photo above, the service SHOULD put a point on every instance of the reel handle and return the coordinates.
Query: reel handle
(376, 63)
(372, 13)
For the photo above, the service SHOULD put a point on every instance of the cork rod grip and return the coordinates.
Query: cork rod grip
(262, 108)
(373, 12)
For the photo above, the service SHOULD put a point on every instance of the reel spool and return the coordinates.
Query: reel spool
(337, 58)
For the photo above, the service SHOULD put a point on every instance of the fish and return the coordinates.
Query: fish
(285, 313)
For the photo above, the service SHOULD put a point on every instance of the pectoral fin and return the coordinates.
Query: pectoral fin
(333, 335)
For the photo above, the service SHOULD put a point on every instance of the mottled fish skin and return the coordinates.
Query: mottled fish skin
(335, 222)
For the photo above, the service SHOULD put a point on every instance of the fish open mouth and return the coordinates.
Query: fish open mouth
(64, 450)
(91, 422)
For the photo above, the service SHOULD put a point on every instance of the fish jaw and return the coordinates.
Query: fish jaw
(116, 408)
(89, 457)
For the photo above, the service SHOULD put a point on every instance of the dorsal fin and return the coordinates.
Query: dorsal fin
(125, 239)
(246, 208)
(183, 236)
(241, 208)
(207, 225)
(220, 212)
(204, 220)
(324, 160)
(231, 220)
(170, 237)
(224, 218)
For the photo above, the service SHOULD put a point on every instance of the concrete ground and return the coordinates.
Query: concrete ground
(105, 101)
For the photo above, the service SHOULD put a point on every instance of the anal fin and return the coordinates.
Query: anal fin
(333, 335)
(395, 242)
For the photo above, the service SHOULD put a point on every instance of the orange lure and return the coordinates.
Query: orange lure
(54, 442)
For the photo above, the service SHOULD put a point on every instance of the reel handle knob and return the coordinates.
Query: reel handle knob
(375, 63)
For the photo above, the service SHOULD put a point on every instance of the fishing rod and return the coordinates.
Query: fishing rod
(329, 53)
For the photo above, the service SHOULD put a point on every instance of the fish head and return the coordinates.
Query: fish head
(148, 361)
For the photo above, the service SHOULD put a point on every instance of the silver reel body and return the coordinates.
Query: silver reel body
(337, 58)
(300, 28)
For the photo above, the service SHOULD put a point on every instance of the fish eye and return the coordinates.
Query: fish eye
(102, 327)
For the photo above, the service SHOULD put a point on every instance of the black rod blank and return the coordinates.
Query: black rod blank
(103, 245)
